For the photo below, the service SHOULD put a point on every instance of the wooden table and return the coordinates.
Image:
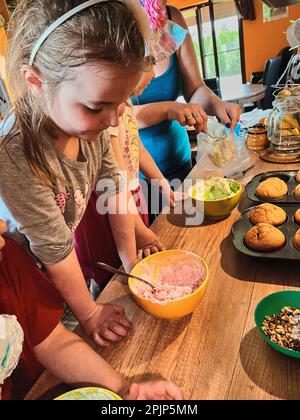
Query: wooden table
(217, 352)
(243, 94)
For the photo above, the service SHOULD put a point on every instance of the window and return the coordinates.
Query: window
(227, 36)
(191, 20)
(206, 34)
(215, 30)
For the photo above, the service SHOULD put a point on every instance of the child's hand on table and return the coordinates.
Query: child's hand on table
(107, 324)
(154, 390)
(147, 243)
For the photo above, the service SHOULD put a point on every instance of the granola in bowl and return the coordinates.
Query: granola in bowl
(284, 328)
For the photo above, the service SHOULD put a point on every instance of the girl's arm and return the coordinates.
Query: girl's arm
(73, 361)
(116, 222)
(70, 283)
(146, 240)
(105, 323)
(123, 228)
(151, 171)
(118, 152)
(133, 238)
(118, 203)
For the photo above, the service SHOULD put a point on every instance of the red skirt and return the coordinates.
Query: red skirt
(26, 292)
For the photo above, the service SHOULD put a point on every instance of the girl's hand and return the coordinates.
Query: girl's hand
(3, 228)
(151, 248)
(148, 243)
(192, 115)
(154, 390)
(177, 197)
(172, 197)
(228, 114)
(107, 324)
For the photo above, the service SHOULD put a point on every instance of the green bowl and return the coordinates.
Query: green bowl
(272, 304)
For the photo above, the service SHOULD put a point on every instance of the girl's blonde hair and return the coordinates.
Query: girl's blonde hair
(113, 32)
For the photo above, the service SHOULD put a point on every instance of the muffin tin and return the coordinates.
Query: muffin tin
(288, 228)
(287, 176)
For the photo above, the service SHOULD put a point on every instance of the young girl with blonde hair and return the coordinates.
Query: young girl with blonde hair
(71, 64)
(132, 157)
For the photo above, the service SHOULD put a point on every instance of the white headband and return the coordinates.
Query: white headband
(57, 23)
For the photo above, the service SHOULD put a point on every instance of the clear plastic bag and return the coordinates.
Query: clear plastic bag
(221, 153)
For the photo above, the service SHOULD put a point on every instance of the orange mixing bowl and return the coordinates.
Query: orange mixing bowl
(148, 269)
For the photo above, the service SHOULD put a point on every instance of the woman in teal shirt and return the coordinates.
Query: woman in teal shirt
(162, 121)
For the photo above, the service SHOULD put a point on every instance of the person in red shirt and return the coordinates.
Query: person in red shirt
(26, 293)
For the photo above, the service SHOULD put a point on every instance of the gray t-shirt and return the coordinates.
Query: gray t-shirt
(47, 217)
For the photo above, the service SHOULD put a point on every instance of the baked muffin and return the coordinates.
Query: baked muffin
(272, 188)
(297, 216)
(298, 176)
(264, 237)
(296, 239)
(268, 213)
(297, 192)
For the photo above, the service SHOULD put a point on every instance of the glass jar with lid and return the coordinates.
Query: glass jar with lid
(257, 138)
(284, 125)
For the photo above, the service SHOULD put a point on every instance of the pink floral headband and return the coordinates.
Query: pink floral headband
(166, 36)
(156, 12)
